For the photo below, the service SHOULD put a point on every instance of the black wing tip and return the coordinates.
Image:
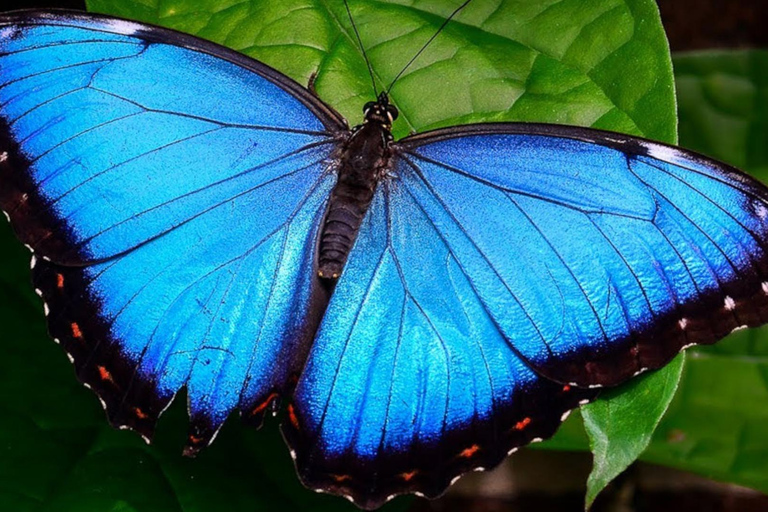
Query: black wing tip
(428, 469)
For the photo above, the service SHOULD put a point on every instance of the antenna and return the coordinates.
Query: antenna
(362, 48)
(449, 18)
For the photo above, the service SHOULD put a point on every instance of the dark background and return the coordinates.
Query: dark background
(690, 24)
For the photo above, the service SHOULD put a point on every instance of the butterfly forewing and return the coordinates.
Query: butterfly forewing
(173, 223)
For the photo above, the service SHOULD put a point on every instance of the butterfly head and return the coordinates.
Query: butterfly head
(380, 111)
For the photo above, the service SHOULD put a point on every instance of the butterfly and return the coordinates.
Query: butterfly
(419, 308)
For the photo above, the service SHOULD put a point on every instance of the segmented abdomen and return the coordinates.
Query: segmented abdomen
(346, 209)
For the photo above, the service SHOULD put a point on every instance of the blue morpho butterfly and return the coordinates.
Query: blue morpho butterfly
(190, 209)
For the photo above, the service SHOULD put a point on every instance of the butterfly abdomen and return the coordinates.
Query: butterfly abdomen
(361, 162)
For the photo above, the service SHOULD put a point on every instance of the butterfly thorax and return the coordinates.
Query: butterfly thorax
(362, 161)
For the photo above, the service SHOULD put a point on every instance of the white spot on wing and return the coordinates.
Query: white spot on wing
(565, 415)
(665, 153)
(46, 309)
(761, 210)
(7, 217)
(454, 480)
(739, 328)
(39, 292)
(124, 27)
(3, 156)
(33, 262)
(583, 402)
(683, 323)
(213, 437)
(765, 287)
(730, 305)
(536, 440)
(511, 451)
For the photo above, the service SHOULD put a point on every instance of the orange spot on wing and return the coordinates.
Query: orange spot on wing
(260, 408)
(104, 374)
(408, 475)
(140, 414)
(76, 332)
(60, 281)
(194, 440)
(292, 417)
(341, 478)
(520, 425)
(469, 452)
(566, 388)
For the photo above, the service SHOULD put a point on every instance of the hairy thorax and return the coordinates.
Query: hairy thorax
(363, 161)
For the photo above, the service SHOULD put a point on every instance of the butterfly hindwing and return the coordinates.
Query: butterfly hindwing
(409, 383)
(171, 192)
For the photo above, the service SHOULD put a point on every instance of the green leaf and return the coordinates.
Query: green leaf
(620, 425)
(716, 424)
(603, 64)
(723, 106)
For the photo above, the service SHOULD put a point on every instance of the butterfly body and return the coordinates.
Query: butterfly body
(363, 160)
(184, 236)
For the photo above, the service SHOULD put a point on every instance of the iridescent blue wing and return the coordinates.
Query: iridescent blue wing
(169, 189)
(624, 251)
(409, 382)
(503, 270)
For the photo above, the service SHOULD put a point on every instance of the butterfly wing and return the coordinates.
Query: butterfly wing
(499, 266)
(409, 383)
(624, 251)
(169, 189)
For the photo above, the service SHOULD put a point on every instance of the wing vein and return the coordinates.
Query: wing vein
(464, 270)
